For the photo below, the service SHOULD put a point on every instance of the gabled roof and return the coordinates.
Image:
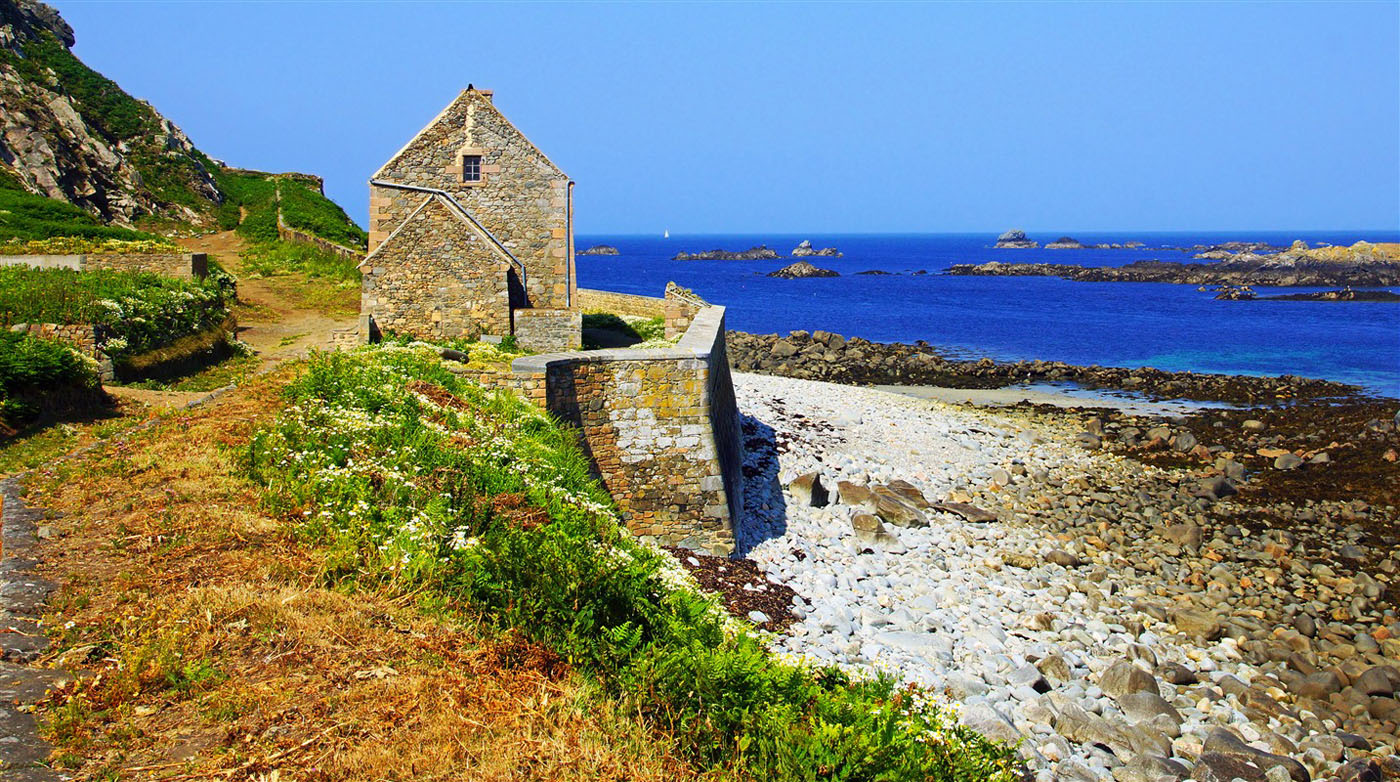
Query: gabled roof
(456, 210)
(481, 101)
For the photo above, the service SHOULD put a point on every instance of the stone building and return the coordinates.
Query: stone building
(471, 235)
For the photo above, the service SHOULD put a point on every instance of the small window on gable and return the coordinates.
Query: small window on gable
(471, 168)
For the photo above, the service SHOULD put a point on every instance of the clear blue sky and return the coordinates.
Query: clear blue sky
(822, 118)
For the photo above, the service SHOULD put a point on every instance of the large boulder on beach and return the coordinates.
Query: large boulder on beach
(808, 490)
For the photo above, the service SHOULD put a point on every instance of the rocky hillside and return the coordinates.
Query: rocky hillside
(72, 135)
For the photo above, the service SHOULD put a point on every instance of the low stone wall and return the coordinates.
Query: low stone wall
(548, 330)
(186, 266)
(82, 336)
(87, 338)
(288, 234)
(661, 427)
(590, 300)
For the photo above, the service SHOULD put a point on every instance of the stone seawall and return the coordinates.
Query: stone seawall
(661, 427)
(185, 266)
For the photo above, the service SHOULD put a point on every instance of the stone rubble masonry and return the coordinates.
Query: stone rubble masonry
(185, 266)
(590, 300)
(681, 305)
(82, 336)
(440, 278)
(88, 339)
(660, 426)
(516, 271)
(544, 330)
(523, 199)
(289, 234)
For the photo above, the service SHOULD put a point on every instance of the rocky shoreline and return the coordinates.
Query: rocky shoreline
(1229, 293)
(1360, 265)
(822, 355)
(1132, 599)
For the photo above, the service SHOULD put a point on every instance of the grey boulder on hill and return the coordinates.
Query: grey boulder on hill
(60, 147)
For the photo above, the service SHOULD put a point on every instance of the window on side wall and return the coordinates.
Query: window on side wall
(471, 168)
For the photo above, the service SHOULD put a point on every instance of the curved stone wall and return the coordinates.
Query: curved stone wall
(661, 427)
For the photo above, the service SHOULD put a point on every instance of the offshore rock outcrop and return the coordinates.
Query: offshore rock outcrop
(1362, 264)
(805, 249)
(600, 249)
(68, 133)
(1015, 239)
(801, 270)
(759, 253)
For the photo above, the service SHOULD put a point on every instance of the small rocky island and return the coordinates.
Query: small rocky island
(805, 249)
(1246, 293)
(600, 249)
(1015, 239)
(1362, 265)
(759, 253)
(802, 270)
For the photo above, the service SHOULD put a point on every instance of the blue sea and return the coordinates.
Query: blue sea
(1172, 327)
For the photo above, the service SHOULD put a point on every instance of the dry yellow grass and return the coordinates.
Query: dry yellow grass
(211, 651)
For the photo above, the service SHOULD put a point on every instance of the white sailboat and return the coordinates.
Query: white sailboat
(666, 234)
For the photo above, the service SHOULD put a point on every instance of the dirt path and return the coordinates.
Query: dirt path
(272, 317)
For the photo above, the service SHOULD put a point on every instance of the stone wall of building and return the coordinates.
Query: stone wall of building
(661, 427)
(548, 330)
(590, 300)
(440, 279)
(185, 266)
(523, 199)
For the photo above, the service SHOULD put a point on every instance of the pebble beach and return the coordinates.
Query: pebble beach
(1118, 619)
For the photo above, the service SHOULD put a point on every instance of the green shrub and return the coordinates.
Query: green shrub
(412, 473)
(136, 311)
(32, 370)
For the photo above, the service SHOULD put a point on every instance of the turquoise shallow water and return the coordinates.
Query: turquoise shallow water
(1166, 326)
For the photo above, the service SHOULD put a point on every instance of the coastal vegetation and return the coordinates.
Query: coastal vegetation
(79, 245)
(38, 375)
(136, 312)
(411, 474)
(26, 217)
